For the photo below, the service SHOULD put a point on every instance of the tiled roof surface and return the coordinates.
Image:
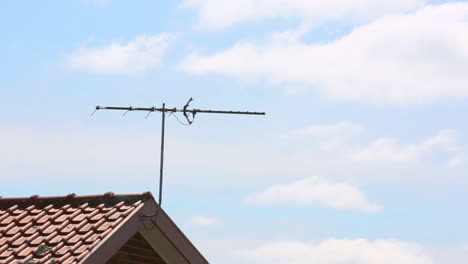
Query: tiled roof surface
(60, 229)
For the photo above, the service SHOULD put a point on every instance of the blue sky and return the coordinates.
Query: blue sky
(362, 151)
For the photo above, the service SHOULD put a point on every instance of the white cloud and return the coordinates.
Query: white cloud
(73, 150)
(389, 151)
(316, 191)
(329, 251)
(204, 221)
(338, 251)
(399, 59)
(331, 136)
(457, 160)
(79, 150)
(341, 139)
(452, 255)
(137, 56)
(340, 129)
(217, 14)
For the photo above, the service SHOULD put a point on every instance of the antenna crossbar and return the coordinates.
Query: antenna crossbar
(175, 110)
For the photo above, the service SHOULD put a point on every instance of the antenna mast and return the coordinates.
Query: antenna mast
(189, 115)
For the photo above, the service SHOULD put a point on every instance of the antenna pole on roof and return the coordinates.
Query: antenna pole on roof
(161, 162)
(189, 115)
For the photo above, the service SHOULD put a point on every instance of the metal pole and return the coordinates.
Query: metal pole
(162, 154)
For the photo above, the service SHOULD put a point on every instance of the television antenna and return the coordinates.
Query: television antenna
(189, 115)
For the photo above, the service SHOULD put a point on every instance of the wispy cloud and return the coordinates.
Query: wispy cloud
(218, 14)
(400, 59)
(338, 251)
(316, 191)
(387, 150)
(342, 138)
(458, 160)
(136, 56)
(205, 221)
(81, 150)
(331, 136)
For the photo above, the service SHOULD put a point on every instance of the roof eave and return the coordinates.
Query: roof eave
(108, 247)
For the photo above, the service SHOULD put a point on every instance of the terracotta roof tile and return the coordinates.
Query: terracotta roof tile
(7, 219)
(74, 239)
(15, 211)
(5, 253)
(49, 230)
(86, 228)
(60, 229)
(18, 242)
(24, 251)
(41, 219)
(9, 259)
(79, 218)
(91, 239)
(27, 219)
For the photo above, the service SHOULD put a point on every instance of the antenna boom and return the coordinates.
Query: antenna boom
(175, 110)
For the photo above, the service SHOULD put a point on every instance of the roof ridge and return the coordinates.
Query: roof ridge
(108, 199)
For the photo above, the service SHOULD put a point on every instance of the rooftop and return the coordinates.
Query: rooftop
(70, 229)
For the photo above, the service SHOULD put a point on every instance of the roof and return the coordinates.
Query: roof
(81, 229)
